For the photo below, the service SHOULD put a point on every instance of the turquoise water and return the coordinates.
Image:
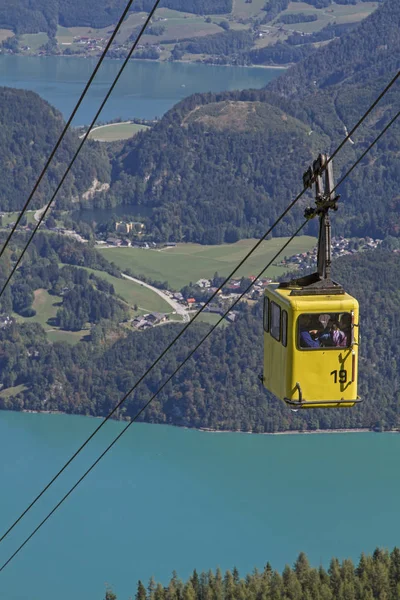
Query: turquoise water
(167, 498)
(146, 89)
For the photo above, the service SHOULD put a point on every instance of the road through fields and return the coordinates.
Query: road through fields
(178, 308)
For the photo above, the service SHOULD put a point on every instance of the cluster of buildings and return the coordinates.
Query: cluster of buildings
(131, 227)
(340, 247)
(117, 242)
(89, 42)
(233, 287)
(69, 233)
(146, 321)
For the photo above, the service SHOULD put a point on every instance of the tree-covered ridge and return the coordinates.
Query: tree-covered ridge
(376, 576)
(29, 130)
(371, 49)
(25, 16)
(210, 170)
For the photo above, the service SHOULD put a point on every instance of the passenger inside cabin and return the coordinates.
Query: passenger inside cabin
(310, 328)
(325, 330)
(333, 336)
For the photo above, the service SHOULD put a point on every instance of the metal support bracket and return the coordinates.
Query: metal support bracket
(321, 176)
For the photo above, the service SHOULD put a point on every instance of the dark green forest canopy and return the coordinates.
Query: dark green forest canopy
(32, 16)
(210, 180)
(29, 130)
(376, 576)
(218, 388)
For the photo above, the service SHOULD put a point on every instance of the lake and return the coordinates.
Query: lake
(166, 498)
(146, 89)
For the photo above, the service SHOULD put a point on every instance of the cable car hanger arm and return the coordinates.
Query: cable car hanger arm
(320, 174)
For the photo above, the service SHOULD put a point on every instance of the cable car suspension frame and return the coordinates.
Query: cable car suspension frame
(319, 174)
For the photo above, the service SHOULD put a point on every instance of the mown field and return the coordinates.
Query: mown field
(46, 307)
(116, 132)
(190, 262)
(11, 217)
(135, 294)
(211, 319)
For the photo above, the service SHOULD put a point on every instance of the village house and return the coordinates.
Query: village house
(203, 283)
(112, 241)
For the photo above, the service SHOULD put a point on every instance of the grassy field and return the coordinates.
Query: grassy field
(34, 40)
(116, 132)
(46, 307)
(211, 319)
(13, 391)
(335, 14)
(190, 262)
(11, 217)
(133, 293)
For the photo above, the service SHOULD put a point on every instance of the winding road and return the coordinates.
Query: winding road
(178, 308)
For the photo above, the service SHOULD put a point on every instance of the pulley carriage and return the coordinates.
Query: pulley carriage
(311, 323)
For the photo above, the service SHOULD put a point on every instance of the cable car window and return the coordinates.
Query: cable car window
(275, 323)
(284, 328)
(325, 330)
(266, 314)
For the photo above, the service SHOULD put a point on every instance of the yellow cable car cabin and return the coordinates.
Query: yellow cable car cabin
(310, 348)
(311, 324)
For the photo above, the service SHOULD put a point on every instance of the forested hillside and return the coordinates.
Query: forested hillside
(209, 180)
(219, 387)
(375, 576)
(209, 169)
(25, 16)
(29, 129)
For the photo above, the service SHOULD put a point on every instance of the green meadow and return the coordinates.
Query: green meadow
(134, 293)
(189, 262)
(116, 132)
(46, 307)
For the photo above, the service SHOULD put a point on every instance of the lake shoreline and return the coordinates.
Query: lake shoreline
(297, 431)
(148, 60)
(209, 430)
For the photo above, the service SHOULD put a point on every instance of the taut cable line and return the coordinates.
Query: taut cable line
(257, 245)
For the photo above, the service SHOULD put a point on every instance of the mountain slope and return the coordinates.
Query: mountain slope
(220, 166)
(29, 129)
(215, 170)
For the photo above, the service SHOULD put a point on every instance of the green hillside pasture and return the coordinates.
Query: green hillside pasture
(116, 132)
(190, 262)
(34, 40)
(336, 13)
(211, 319)
(46, 307)
(243, 9)
(133, 293)
(11, 217)
(13, 391)
(178, 25)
